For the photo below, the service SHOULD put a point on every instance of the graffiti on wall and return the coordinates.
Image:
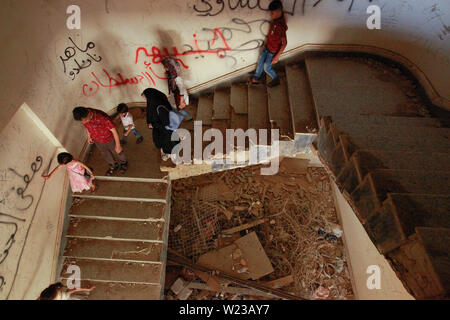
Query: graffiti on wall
(216, 7)
(433, 14)
(211, 8)
(14, 221)
(219, 42)
(90, 89)
(76, 59)
(27, 199)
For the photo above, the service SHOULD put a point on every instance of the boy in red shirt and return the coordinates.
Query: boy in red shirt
(101, 131)
(275, 44)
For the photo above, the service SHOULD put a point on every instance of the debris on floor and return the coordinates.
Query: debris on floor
(245, 259)
(278, 231)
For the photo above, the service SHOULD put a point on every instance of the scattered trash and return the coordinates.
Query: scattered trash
(326, 236)
(321, 293)
(337, 230)
(300, 239)
(177, 228)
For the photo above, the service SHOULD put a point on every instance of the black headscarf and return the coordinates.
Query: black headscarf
(156, 98)
(161, 135)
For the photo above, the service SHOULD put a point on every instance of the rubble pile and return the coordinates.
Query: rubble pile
(288, 219)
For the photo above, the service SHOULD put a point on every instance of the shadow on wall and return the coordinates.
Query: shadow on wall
(171, 39)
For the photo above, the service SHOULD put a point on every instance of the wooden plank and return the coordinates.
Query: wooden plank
(232, 290)
(176, 259)
(244, 226)
(280, 283)
(251, 250)
(257, 261)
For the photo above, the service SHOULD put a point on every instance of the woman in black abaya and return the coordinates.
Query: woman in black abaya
(158, 107)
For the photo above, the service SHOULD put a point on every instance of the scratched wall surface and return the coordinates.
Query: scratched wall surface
(118, 50)
(29, 209)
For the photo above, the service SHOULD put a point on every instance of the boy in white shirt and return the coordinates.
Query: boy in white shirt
(128, 123)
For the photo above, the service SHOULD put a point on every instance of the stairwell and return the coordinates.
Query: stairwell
(391, 163)
(118, 236)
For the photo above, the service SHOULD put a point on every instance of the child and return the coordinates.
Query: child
(57, 291)
(275, 44)
(177, 91)
(101, 131)
(128, 123)
(80, 176)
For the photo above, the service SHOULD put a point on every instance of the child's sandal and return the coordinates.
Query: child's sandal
(123, 167)
(109, 172)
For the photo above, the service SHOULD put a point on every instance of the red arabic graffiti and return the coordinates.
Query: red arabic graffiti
(156, 55)
(90, 89)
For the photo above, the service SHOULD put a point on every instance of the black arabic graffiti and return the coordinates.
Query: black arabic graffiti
(9, 242)
(228, 33)
(216, 7)
(11, 238)
(26, 178)
(71, 51)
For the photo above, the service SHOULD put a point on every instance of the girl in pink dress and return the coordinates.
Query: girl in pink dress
(80, 175)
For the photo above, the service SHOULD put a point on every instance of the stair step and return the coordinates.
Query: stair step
(392, 131)
(117, 209)
(111, 249)
(374, 189)
(122, 290)
(222, 126)
(364, 161)
(239, 98)
(300, 98)
(425, 262)
(115, 229)
(221, 104)
(115, 270)
(279, 110)
(345, 121)
(134, 152)
(361, 83)
(239, 121)
(391, 225)
(396, 143)
(258, 113)
(132, 190)
(205, 109)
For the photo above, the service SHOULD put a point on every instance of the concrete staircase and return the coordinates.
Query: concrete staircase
(391, 163)
(394, 170)
(118, 236)
(288, 107)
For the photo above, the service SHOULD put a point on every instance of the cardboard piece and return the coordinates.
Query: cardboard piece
(252, 252)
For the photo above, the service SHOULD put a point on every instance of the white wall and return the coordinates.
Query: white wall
(34, 37)
(362, 254)
(29, 210)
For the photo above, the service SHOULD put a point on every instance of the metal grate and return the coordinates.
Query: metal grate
(199, 230)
